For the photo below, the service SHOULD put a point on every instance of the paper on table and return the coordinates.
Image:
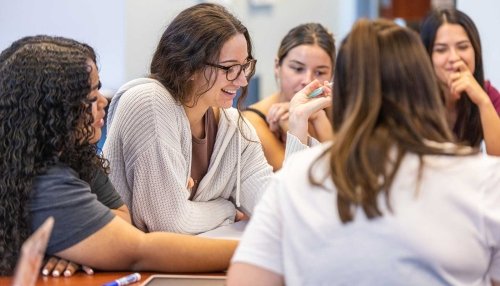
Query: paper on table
(232, 231)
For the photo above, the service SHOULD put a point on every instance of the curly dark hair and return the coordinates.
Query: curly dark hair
(45, 118)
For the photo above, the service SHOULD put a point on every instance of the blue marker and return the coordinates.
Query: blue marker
(129, 279)
(318, 91)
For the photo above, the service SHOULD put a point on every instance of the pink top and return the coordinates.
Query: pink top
(493, 94)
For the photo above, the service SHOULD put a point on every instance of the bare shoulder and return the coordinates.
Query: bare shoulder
(261, 106)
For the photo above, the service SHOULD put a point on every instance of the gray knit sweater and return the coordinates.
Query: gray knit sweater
(149, 148)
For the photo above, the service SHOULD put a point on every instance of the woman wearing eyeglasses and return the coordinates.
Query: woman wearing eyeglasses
(181, 157)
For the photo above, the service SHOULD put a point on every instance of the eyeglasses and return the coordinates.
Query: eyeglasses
(234, 71)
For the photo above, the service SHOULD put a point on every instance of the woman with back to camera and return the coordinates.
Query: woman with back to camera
(391, 201)
(306, 53)
(182, 158)
(51, 116)
(472, 103)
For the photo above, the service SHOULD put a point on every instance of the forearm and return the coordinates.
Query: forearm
(180, 215)
(298, 126)
(490, 122)
(322, 127)
(123, 213)
(182, 253)
(120, 246)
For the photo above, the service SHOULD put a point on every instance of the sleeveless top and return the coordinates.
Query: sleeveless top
(258, 112)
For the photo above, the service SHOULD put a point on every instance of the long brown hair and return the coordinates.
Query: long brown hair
(194, 38)
(468, 126)
(386, 103)
(307, 34)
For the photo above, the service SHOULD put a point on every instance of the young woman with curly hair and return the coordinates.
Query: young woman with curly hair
(51, 116)
(100, 185)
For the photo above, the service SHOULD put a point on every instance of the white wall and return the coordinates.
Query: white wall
(144, 25)
(485, 14)
(125, 33)
(267, 25)
(98, 23)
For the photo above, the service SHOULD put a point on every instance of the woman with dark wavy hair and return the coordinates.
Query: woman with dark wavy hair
(100, 184)
(51, 115)
(473, 104)
(391, 201)
(182, 158)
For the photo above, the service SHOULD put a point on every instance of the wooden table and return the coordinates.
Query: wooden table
(82, 279)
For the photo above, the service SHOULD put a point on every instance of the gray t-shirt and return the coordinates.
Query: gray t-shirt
(105, 191)
(60, 193)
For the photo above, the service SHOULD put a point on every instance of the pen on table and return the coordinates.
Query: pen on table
(129, 279)
(319, 90)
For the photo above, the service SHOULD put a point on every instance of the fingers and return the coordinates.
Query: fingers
(88, 270)
(464, 82)
(278, 121)
(459, 81)
(274, 127)
(49, 265)
(59, 268)
(276, 111)
(323, 102)
(190, 183)
(71, 268)
(284, 117)
(460, 66)
(240, 216)
(310, 88)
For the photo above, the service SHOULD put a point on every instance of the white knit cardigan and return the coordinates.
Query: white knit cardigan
(149, 147)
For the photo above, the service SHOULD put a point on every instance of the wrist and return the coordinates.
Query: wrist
(299, 129)
(484, 102)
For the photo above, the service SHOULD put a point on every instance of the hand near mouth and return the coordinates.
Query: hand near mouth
(462, 80)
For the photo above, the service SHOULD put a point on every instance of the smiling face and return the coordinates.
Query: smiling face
(301, 66)
(223, 91)
(98, 104)
(451, 45)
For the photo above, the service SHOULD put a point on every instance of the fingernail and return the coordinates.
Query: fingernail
(56, 273)
(67, 273)
(45, 272)
(88, 270)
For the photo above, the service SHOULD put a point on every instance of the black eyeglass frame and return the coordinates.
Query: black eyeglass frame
(242, 68)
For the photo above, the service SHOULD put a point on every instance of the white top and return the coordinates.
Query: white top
(149, 146)
(233, 231)
(447, 233)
